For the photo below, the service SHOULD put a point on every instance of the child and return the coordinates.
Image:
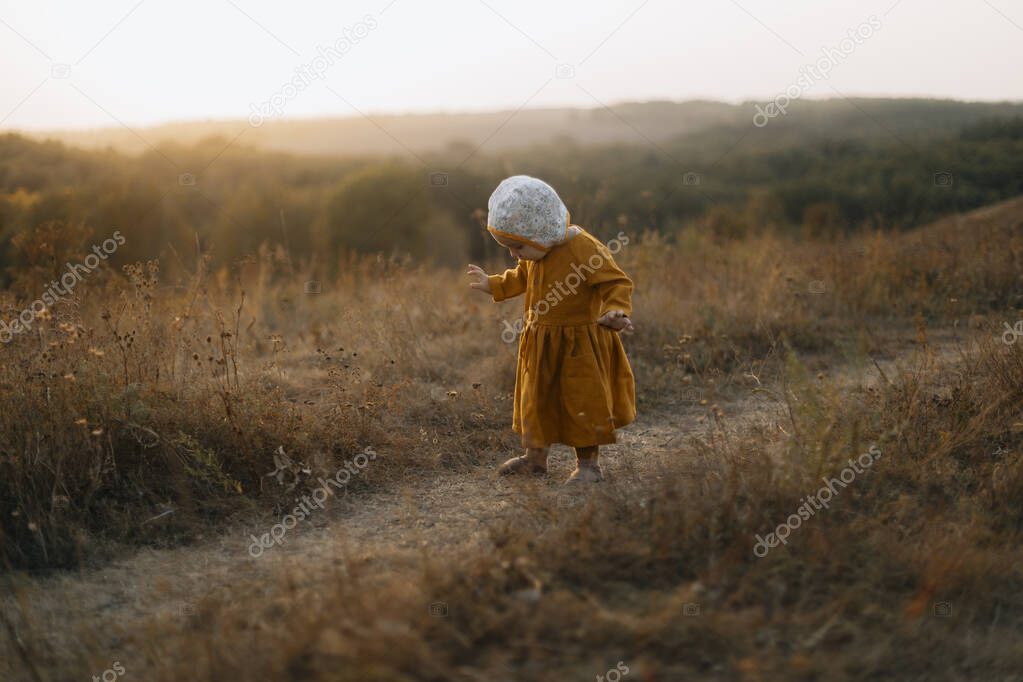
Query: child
(573, 383)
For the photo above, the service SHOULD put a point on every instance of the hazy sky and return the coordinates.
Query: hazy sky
(84, 64)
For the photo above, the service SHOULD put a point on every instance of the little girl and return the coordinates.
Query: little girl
(573, 383)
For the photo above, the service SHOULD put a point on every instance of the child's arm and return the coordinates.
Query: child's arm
(508, 284)
(615, 290)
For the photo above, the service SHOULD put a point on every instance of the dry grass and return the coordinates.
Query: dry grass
(856, 594)
(561, 593)
(137, 399)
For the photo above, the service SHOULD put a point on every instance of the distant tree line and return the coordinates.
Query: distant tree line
(802, 176)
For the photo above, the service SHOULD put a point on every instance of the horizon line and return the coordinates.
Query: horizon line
(489, 111)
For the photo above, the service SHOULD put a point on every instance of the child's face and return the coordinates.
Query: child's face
(519, 250)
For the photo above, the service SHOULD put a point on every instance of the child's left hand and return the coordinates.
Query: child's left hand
(617, 320)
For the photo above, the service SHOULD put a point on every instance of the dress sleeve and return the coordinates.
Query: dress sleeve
(509, 283)
(612, 284)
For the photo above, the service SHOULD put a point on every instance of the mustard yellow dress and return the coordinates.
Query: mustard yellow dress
(573, 383)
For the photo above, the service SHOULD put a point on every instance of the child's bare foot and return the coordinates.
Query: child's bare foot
(585, 473)
(587, 470)
(533, 462)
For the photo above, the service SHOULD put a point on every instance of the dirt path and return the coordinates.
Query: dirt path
(441, 513)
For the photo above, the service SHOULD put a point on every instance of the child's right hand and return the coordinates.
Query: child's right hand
(617, 320)
(478, 279)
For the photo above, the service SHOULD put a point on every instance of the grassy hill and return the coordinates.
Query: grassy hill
(827, 168)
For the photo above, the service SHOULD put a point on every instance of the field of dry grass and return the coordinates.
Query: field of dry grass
(141, 422)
